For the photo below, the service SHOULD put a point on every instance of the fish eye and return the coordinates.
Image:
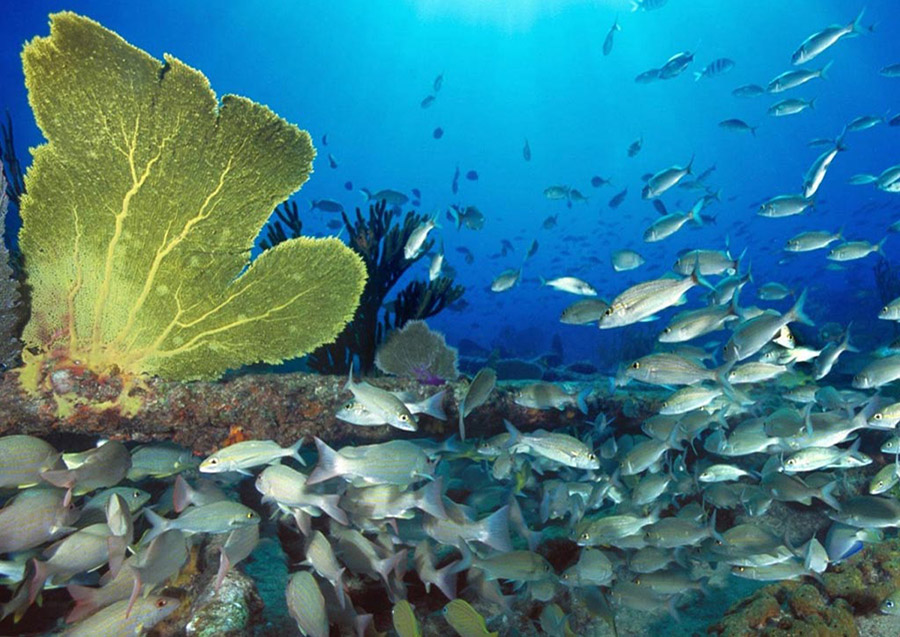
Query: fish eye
(136, 494)
(884, 310)
(791, 461)
(741, 569)
(889, 604)
(348, 405)
(162, 603)
(879, 484)
(668, 330)
(403, 417)
(212, 461)
(592, 456)
(636, 365)
(608, 312)
(585, 536)
(878, 416)
(250, 515)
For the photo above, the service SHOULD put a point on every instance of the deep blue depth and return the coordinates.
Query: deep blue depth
(357, 71)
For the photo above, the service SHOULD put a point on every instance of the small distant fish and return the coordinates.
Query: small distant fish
(326, 205)
(332, 161)
(556, 192)
(853, 250)
(648, 76)
(624, 260)
(738, 125)
(470, 217)
(665, 179)
(436, 265)
(416, 193)
(428, 101)
(773, 291)
(392, 198)
(532, 249)
(438, 82)
(676, 65)
(618, 198)
(505, 280)
(455, 185)
(325, 139)
(418, 237)
(813, 240)
(748, 90)
(784, 206)
(571, 284)
(819, 42)
(892, 70)
(795, 78)
(550, 222)
(635, 147)
(715, 68)
(597, 181)
(608, 41)
(888, 181)
(670, 224)
(383, 403)
(864, 122)
(542, 395)
(526, 151)
(584, 311)
(647, 5)
(816, 173)
(348, 185)
(895, 120)
(790, 107)
(472, 175)
(576, 196)
(660, 207)
(438, 133)
(476, 395)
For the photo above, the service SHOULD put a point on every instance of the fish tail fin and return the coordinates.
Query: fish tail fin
(430, 499)
(826, 495)
(812, 103)
(389, 564)
(135, 591)
(581, 400)
(330, 504)
(295, 451)
(117, 546)
(515, 436)
(840, 233)
(698, 75)
(434, 406)
(823, 72)
(158, 525)
(328, 466)
(462, 423)
(36, 581)
(366, 193)
(695, 216)
(445, 580)
(856, 26)
(753, 130)
(495, 530)
(690, 165)
(880, 245)
(182, 494)
(846, 341)
(312, 203)
(62, 478)
(85, 602)
(224, 567)
(797, 315)
(635, 6)
(348, 386)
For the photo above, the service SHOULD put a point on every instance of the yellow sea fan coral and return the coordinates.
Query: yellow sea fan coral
(141, 213)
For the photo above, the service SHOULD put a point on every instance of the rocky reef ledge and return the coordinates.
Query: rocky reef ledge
(281, 407)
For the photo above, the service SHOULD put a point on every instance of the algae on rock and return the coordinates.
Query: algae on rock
(142, 209)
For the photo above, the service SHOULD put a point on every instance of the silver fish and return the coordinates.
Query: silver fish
(249, 454)
(820, 41)
(476, 395)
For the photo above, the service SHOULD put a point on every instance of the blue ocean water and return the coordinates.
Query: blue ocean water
(358, 70)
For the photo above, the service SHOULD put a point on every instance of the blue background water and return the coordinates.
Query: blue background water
(358, 70)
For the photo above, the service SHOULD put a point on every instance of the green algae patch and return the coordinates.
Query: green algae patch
(141, 213)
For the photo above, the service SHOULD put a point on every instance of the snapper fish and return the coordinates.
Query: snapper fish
(570, 284)
(645, 299)
(794, 78)
(608, 41)
(714, 69)
(821, 41)
(665, 179)
(418, 237)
